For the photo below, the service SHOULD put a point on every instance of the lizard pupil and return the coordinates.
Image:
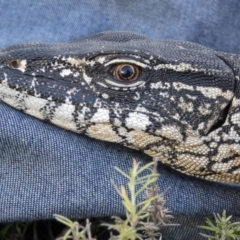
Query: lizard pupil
(126, 72)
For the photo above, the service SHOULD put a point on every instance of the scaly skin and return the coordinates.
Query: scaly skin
(180, 103)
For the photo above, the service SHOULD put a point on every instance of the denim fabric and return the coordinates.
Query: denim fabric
(46, 170)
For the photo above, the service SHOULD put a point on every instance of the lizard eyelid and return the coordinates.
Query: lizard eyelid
(126, 61)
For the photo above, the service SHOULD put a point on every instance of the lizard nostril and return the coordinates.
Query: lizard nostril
(18, 64)
(15, 64)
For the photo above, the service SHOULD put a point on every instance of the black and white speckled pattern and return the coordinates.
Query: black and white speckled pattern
(182, 109)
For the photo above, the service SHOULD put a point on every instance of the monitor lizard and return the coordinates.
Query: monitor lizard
(176, 101)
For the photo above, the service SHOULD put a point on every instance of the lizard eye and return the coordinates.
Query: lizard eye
(126, 72)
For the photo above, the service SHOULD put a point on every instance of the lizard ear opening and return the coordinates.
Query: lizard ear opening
(221, 119)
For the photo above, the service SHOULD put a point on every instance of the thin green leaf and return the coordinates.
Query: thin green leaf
(128, 206)
(208, 228)
(146, 177)
(147, 166)
(67, 234)
(63, 220)
(147, 201)
(122, 173)
(145, 185)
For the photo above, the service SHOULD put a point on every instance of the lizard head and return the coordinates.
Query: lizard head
(162, 97)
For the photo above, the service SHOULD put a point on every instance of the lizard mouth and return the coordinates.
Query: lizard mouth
(221, 119)
(48, 110)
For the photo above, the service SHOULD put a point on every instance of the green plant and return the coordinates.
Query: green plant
(143, 219)
(75, 230)
(222, 228)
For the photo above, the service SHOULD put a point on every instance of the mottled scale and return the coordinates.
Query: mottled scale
(176, 101)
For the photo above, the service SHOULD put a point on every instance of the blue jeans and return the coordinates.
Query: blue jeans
(46, 170)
